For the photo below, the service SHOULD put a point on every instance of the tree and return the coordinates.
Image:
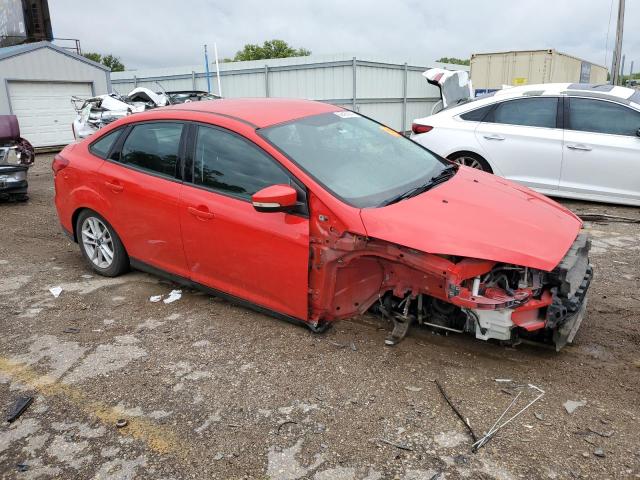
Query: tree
(113, 63)
(110, 61)
(269, 49)
(455, 61)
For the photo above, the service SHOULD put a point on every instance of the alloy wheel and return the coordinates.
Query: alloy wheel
(469, 162)
(97, 242)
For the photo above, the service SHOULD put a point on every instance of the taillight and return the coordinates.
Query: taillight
(58, 164)
(417, 128)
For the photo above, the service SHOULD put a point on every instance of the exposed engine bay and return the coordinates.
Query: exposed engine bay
(490, 300)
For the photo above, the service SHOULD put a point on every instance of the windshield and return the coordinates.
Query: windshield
(360, 161)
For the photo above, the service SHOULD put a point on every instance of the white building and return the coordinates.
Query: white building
(37, 81)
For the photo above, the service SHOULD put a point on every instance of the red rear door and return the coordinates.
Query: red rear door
(259, 257)
(143, 195)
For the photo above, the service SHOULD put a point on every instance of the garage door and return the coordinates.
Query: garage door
(44, 110)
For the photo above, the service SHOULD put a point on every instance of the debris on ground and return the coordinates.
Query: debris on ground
(497, 426)
(457, 412)
(401, 446)
(571, 405)
(539, 416)
(71, 330)
(122, 422)
(411, 388)
(282, 424)
(598, 452)
(601, 434)
(173, 296)
(170, 298)
(19, 408)
(55, 291)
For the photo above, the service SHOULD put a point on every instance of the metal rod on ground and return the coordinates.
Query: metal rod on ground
(489, 436)
(479, 443)
(215, 51)
(457, 412)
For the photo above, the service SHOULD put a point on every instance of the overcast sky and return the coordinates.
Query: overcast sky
(166, 33)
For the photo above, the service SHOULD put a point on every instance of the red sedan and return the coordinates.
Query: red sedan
(315, 213)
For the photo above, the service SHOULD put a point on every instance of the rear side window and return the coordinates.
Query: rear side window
(153, 147)
(598, 116)
(102, 146)
(530, 112)
(229, 164)
(476, 115)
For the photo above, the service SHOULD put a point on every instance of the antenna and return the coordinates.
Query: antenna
(215, 52)
(206, 69)
(615, 68)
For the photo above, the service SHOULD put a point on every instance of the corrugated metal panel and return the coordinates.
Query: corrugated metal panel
(318, 83)
(380, 83)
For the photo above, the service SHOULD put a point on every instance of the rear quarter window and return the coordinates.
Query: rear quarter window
(477, 115)
(102, 146)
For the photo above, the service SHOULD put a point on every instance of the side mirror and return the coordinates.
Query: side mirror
(638, 132)
(275, 198)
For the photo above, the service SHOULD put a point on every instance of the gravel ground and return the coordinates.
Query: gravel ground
(212, 390)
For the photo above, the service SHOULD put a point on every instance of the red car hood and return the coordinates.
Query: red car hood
(478, 215)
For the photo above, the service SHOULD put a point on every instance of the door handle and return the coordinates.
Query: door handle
(201, 214)
(115, 187)
(494, 137)
(579, 147)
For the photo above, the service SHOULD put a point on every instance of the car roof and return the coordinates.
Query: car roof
(603, 91)
(259, 112)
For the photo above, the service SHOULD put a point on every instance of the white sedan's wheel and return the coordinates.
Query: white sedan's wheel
(97, 242)
(469, 162)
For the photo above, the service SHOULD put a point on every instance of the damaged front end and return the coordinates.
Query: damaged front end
(352, 274)
(16, 156)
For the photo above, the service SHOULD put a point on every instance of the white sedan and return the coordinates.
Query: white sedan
(567, 140)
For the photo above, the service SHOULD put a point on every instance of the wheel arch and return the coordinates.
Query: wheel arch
(76, 213)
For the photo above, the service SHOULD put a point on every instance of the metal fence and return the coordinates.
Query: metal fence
(392, 93)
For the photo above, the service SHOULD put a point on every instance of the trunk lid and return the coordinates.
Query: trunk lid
(454, 85)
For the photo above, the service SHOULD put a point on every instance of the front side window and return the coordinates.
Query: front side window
(530, 112)
(153, 147)
(102, 146)
(227, 163)
(598, 116)
(360, 161)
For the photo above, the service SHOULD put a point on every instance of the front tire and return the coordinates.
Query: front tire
(100, 245)
(472, 160)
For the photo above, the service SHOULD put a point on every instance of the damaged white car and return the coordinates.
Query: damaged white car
(96, 112)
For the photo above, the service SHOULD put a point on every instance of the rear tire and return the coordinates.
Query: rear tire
(472, 160)
(100, 245)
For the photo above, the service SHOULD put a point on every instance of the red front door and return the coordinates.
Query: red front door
(259, 257)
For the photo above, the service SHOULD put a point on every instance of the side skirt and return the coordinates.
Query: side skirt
(186, 282)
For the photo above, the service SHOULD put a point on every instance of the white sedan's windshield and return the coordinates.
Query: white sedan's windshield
(360, 161)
